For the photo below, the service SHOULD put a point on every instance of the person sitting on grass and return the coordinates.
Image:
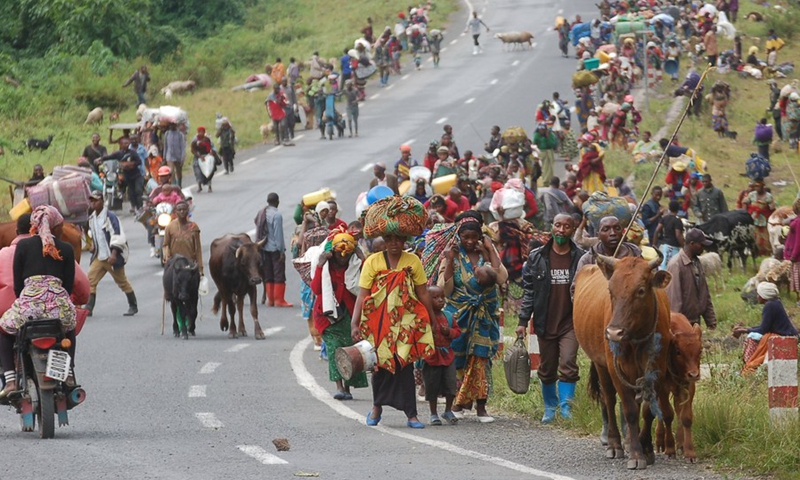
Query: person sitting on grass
(774, 322)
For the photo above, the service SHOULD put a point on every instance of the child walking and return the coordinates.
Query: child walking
(439, 371)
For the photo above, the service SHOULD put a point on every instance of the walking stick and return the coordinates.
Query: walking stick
(163, 312)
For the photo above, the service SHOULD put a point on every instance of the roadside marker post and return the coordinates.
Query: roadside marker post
(782, 379)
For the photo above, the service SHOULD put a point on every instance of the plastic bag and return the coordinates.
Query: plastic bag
(600, 205)
(203, 288)
(517, 365)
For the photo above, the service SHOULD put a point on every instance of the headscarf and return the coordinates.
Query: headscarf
(767, 290)
(322, 206)
(469, 221)
(343, 244)
(43, 219)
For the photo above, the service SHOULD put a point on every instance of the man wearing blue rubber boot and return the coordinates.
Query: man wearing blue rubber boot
(547, 277)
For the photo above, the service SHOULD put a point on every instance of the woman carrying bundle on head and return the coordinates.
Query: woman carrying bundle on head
(393, 309)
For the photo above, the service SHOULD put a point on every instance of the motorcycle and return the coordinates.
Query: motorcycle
(42, 368)
(161, 218)
(110, 175)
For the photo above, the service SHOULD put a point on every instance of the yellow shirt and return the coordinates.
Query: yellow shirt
(376, 263)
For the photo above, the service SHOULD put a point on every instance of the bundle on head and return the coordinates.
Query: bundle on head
(403, 216)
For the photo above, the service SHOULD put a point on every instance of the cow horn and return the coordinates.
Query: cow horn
(654, 263)
(261, 243)
(238, 253)
(606, 260)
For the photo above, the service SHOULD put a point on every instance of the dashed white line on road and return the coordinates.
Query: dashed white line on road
(307, 381)
(453, 42)
(298, 137)
(494, 82)
(470, 100)
(516, 62)
(251, 233)
(261, 455)
(483, 10)
(463, 33)
(404, 77)
(560, 11)
(237, 348)
(249, 160)
(533, 45)
(367, 167)
(390, 87)
(159, 273)
(441, 120)
(197, 391)
(410, 141)
(209, 420)
(272, 330)
(550, 29)
(275, 148)
(210, 367)
(375, 96)
(443, 49)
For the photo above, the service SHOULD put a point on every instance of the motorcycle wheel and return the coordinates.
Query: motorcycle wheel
(46, 413)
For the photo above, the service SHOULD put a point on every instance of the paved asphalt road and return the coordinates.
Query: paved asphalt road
(209, 408)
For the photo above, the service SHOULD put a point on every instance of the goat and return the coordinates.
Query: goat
(712, 267)
(95, 116)
(39, 144)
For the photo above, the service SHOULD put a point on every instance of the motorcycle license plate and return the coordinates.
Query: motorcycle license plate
(58, 365)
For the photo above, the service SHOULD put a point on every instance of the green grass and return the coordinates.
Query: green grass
(272, 29)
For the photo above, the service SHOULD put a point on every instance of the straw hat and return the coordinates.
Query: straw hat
(679, 166)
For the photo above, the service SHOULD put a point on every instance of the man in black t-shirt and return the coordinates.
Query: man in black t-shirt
(547, 277)
(669, 233)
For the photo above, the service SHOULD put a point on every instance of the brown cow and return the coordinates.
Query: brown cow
(683, 371)
(621, 317)
(235, 266)
(70, 234)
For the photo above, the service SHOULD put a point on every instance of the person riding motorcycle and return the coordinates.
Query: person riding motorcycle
(164, 192)
(44, 271)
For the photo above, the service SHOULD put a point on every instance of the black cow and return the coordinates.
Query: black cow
(733, 234)
(181, 285)
(235, 264)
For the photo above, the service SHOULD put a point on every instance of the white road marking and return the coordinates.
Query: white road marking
(410, 141)
(272, 331)
(261, 455)
(197, 391)
(533, 45)
(159, 273)
(306, 380)
(494, 82)
(367, 167)
(516, 62)
(375, 96)
(298, 137)
(453, 42)
(441, 120)
(483, 10)
(404, 77)
(550, 29)
(560, 11)
(470, 100)
(237, 348)
(390, 87)
(443, 49)
(209, 420)
(463, 33)
(209, 367)
(249, 160)
(275, 148)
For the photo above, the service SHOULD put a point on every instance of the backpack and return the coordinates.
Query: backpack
(757, 167)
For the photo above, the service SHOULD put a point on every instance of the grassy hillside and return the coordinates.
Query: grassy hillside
(56, 100)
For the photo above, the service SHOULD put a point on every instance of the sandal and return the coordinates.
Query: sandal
(371, 422)
(435, 420)
(339, 396)
(347, 396)
(415, 424)
(450, 417)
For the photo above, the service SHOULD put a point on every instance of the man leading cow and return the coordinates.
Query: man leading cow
(547, 277)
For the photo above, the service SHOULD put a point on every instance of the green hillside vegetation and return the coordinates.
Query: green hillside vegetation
(59, 59)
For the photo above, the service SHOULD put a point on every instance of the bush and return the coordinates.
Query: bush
(207, 70)
(102, 59)
(786, 24)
